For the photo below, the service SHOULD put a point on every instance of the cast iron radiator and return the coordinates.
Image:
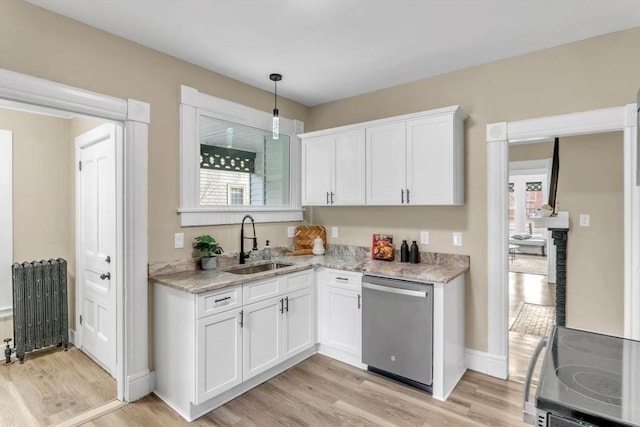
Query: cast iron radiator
(39, 305)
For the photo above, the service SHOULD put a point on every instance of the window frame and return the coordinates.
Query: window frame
(231, 187)
(193, 104)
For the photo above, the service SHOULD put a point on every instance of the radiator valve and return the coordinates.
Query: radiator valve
(7, 351)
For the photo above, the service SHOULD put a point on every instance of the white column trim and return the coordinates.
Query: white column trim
(499, 136)
(132, 338)
(6, 222)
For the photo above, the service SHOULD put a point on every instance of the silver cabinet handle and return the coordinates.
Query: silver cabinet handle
(402, 196)
(346, 279)
(391, 290)
(107, 259)
(407, 196)
(359, 298)
(281, 305)
(332, 197)
(242, 318)
(222, 299)
(287, 304)
(104, 276)
(327, 197)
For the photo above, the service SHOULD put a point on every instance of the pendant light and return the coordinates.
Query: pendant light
(276, 119)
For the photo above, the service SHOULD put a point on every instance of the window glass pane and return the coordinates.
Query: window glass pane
(242, 165)
(533, 199)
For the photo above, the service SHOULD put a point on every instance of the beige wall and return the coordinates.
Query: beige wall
(590, 181)
(595, 73)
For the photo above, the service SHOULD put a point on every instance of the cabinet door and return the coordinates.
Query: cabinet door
(299, 325)
(261, 334)
(349, 176)
(386, 163)
(317, 168)
(434, 162)
(344, 329)
(219, 354)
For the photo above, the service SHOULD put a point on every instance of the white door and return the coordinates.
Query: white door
(96, 219)
(386, 164)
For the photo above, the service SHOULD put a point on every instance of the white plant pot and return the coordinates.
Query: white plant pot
(209, 262)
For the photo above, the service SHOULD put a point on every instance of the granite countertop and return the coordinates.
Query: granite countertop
(184, 275)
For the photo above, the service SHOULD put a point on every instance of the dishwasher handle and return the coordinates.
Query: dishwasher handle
(528, 408)
(392, 290)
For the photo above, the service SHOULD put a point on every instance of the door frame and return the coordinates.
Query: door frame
(132, 373)
(6, 219)
(498, 137)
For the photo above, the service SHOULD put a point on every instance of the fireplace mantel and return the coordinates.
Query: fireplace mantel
(557, 222)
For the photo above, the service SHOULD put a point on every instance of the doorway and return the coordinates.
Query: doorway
(499, 136)
(132, 372)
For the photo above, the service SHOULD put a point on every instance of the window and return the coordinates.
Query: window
(527, 193)
(231, 166)
(235, 194)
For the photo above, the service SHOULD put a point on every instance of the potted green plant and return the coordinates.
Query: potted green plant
(209, 248)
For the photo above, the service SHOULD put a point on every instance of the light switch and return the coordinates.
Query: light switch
(424, 237)
(457, 239)
(178, 240)
(585, 220)
(334, 231)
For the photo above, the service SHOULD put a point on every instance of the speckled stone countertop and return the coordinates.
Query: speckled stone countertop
(184, 275)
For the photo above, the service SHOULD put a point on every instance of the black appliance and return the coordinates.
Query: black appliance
(587, 379)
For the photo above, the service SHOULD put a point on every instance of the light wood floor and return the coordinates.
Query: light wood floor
(324, 392)
(51, 386)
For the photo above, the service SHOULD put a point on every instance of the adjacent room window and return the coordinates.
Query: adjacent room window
(235, 194)
(527, 193)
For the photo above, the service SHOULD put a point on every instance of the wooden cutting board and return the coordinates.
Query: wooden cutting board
(304, 237)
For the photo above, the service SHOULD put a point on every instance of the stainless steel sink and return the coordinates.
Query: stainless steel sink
(259, 268)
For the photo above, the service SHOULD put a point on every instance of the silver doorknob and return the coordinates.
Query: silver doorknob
(105, 276)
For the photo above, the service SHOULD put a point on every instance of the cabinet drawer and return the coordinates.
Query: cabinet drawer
(218, 301)
(261, 290)
(299, 280)
(345, 279)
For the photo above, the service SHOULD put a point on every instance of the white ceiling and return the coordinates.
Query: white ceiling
(333, 49)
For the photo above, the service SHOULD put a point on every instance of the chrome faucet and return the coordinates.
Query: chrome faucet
(242, 256)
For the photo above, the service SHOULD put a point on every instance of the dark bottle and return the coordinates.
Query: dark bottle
(414, 253)
(404, 252)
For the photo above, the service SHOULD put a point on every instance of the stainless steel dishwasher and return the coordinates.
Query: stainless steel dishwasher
(397, 329)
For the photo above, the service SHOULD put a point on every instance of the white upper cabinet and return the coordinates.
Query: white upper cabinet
(386, 164)
(414, 159)
(333, 169)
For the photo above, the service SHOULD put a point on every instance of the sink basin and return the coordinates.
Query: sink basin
(250, 269)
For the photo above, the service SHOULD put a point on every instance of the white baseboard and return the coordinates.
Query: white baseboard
(487, 363)
(138, 386)
(72, 337)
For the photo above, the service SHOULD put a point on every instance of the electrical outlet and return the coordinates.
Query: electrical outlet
(424, 237)
(585, 220)
(457, 239)
(291, 231)
(178, 240)
(334, 231)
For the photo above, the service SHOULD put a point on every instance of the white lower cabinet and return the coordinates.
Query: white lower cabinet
(210, 347)
(218, 354)
(340, 314)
